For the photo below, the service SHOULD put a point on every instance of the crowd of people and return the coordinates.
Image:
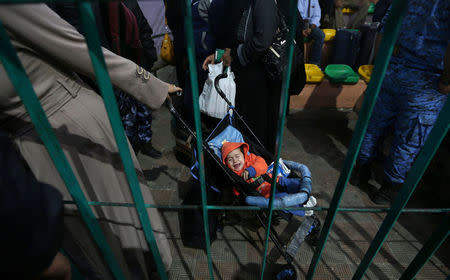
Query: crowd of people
(50, 45)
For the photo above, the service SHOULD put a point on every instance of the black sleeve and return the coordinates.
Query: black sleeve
(283, 5)
(233, 10)
(264, 17)
(380, 10)
(69, 12)
(216, 21)
(298, 78)
(174, 14)
(145, 34)
(31, 215)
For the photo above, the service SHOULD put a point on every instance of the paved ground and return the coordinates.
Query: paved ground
(318, 139)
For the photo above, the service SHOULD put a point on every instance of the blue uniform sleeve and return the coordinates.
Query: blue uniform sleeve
(383, 21)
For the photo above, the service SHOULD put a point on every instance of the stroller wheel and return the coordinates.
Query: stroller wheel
(313, 237)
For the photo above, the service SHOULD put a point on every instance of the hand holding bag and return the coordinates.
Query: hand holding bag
(210, 101)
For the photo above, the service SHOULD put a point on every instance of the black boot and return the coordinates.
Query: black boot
(149, 150)
(361, 174)
(387, 193)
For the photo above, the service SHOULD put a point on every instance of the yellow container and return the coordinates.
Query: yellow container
(329, 34)
(313, 73)
(365, 71)
(348, 11)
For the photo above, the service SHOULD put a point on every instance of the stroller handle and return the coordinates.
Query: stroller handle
(219, 91)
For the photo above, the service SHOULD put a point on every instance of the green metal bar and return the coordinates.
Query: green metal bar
(256, 208)
(281, 119)
(437, 238)
(391, 31)
(189, 33)
(426, 154)
(104, 83)
(25, 90)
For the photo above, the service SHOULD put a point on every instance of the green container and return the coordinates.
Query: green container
(218, 55)
(371, 8)
(341, 74)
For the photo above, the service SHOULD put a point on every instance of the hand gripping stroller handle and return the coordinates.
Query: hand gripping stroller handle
(219, 91)
(168, 100)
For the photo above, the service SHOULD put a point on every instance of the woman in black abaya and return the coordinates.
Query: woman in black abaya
(247, 36)
(250, 27)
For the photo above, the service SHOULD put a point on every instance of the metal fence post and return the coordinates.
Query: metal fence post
(392, 29)
(104, 82)
(188, 30)
(281, 119)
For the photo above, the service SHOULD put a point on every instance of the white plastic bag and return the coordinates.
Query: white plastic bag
(211, 103)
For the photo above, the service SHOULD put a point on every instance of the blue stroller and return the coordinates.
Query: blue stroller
(219, 177)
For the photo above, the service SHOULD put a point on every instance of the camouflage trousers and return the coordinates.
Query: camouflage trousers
(409, 103)
(136, 119)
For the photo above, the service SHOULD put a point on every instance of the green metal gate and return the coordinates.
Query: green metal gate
(23, 86)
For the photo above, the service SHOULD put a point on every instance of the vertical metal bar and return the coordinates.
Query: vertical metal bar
(104, 82)
(426, 154)
(437, 238)
(281, 119)
(25, 90)
(188, 30)
(391, 31)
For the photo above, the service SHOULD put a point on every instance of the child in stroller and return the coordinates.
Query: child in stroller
(292, 191)
(253, 169)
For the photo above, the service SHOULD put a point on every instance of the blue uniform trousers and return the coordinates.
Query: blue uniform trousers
(409, 102)
(136, 119)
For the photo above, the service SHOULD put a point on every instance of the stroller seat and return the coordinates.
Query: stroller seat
(219, 177)
(282, 199)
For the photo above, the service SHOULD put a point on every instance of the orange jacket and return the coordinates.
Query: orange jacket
(250, 160)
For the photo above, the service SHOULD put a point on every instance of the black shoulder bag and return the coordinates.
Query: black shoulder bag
(275, 59)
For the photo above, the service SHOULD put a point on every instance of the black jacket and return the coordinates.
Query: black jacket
(259, 31)
(380, 10)
(145, 34)
(31, 216)
(70, 13)
(298, 78)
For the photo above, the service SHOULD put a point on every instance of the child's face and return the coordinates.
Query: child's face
(235, 159)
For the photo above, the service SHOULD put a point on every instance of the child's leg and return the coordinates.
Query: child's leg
(289, 185)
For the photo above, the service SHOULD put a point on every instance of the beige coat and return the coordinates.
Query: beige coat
(51, 51)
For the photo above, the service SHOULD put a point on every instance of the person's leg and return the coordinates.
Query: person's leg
(358, 19)
(339, 18)
(128, 114)
(382, 117)
(420, 107)
(318, 38)
(289, 185)
(144, 131)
